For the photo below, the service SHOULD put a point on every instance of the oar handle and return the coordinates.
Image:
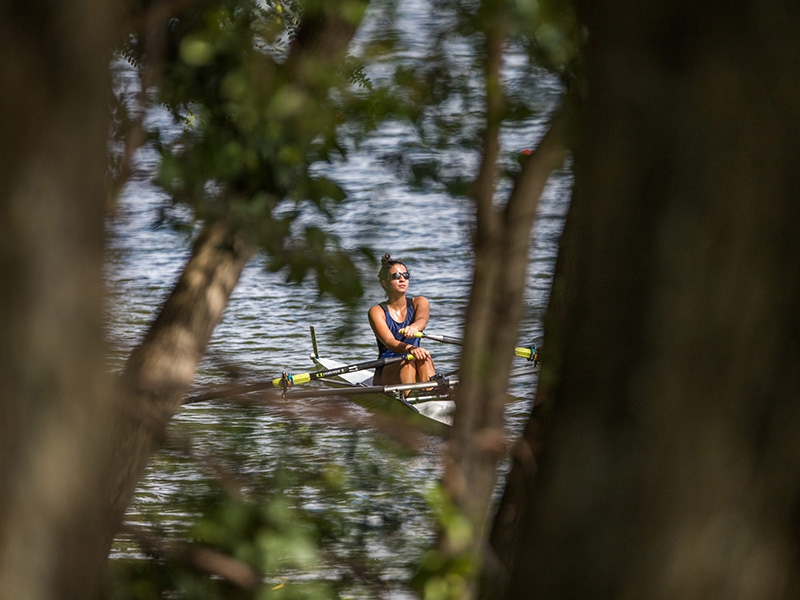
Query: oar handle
(419, 334)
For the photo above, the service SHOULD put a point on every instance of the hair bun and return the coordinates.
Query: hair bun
(386, 260)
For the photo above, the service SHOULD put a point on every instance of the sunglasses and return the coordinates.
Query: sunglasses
(398, 275)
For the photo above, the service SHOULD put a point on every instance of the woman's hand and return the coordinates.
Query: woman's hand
(420, 353)
(410, 331)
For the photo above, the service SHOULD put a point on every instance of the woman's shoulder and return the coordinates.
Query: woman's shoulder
(375, 313)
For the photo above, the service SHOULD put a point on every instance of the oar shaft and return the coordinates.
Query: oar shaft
(362, 366)
(229, 392)
(361, 389)
(438, 338)
(530, 353)
(291, 380)
(443, 338)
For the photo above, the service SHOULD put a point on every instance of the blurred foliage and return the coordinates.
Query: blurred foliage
(437, 86)
(251, 128)
(440, 575)
(304, 521)
(550, 32)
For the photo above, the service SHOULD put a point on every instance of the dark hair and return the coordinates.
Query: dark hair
(386, 264)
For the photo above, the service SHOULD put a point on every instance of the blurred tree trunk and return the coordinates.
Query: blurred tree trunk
(160, 370)
(71, 450)
(55, 405)
(501, 242)
(669, 463)
(478, 437)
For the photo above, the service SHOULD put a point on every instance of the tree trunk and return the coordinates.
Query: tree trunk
(493, 314)
(71, 450)
(502, 241)
(160, 370)
(670, 466)
(506, 537)
(54, 401)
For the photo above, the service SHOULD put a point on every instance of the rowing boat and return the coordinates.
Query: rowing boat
(428, 404)
(425, 404)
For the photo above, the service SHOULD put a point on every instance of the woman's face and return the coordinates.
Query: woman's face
(397, 278)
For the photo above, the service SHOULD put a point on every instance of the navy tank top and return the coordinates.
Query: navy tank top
(395, 327)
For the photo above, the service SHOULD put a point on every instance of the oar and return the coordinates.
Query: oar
(389, 390)
(532, 353)
(366, 389)
(288, 380)
(436, 338)
(359, 389)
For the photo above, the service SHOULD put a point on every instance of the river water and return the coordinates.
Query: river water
(265, 331)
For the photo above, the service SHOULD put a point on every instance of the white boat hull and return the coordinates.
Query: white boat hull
(431, 406)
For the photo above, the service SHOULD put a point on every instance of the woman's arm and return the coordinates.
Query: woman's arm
(422, 313)
(377, 320)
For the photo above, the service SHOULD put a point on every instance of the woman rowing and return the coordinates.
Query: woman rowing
(396, 313)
